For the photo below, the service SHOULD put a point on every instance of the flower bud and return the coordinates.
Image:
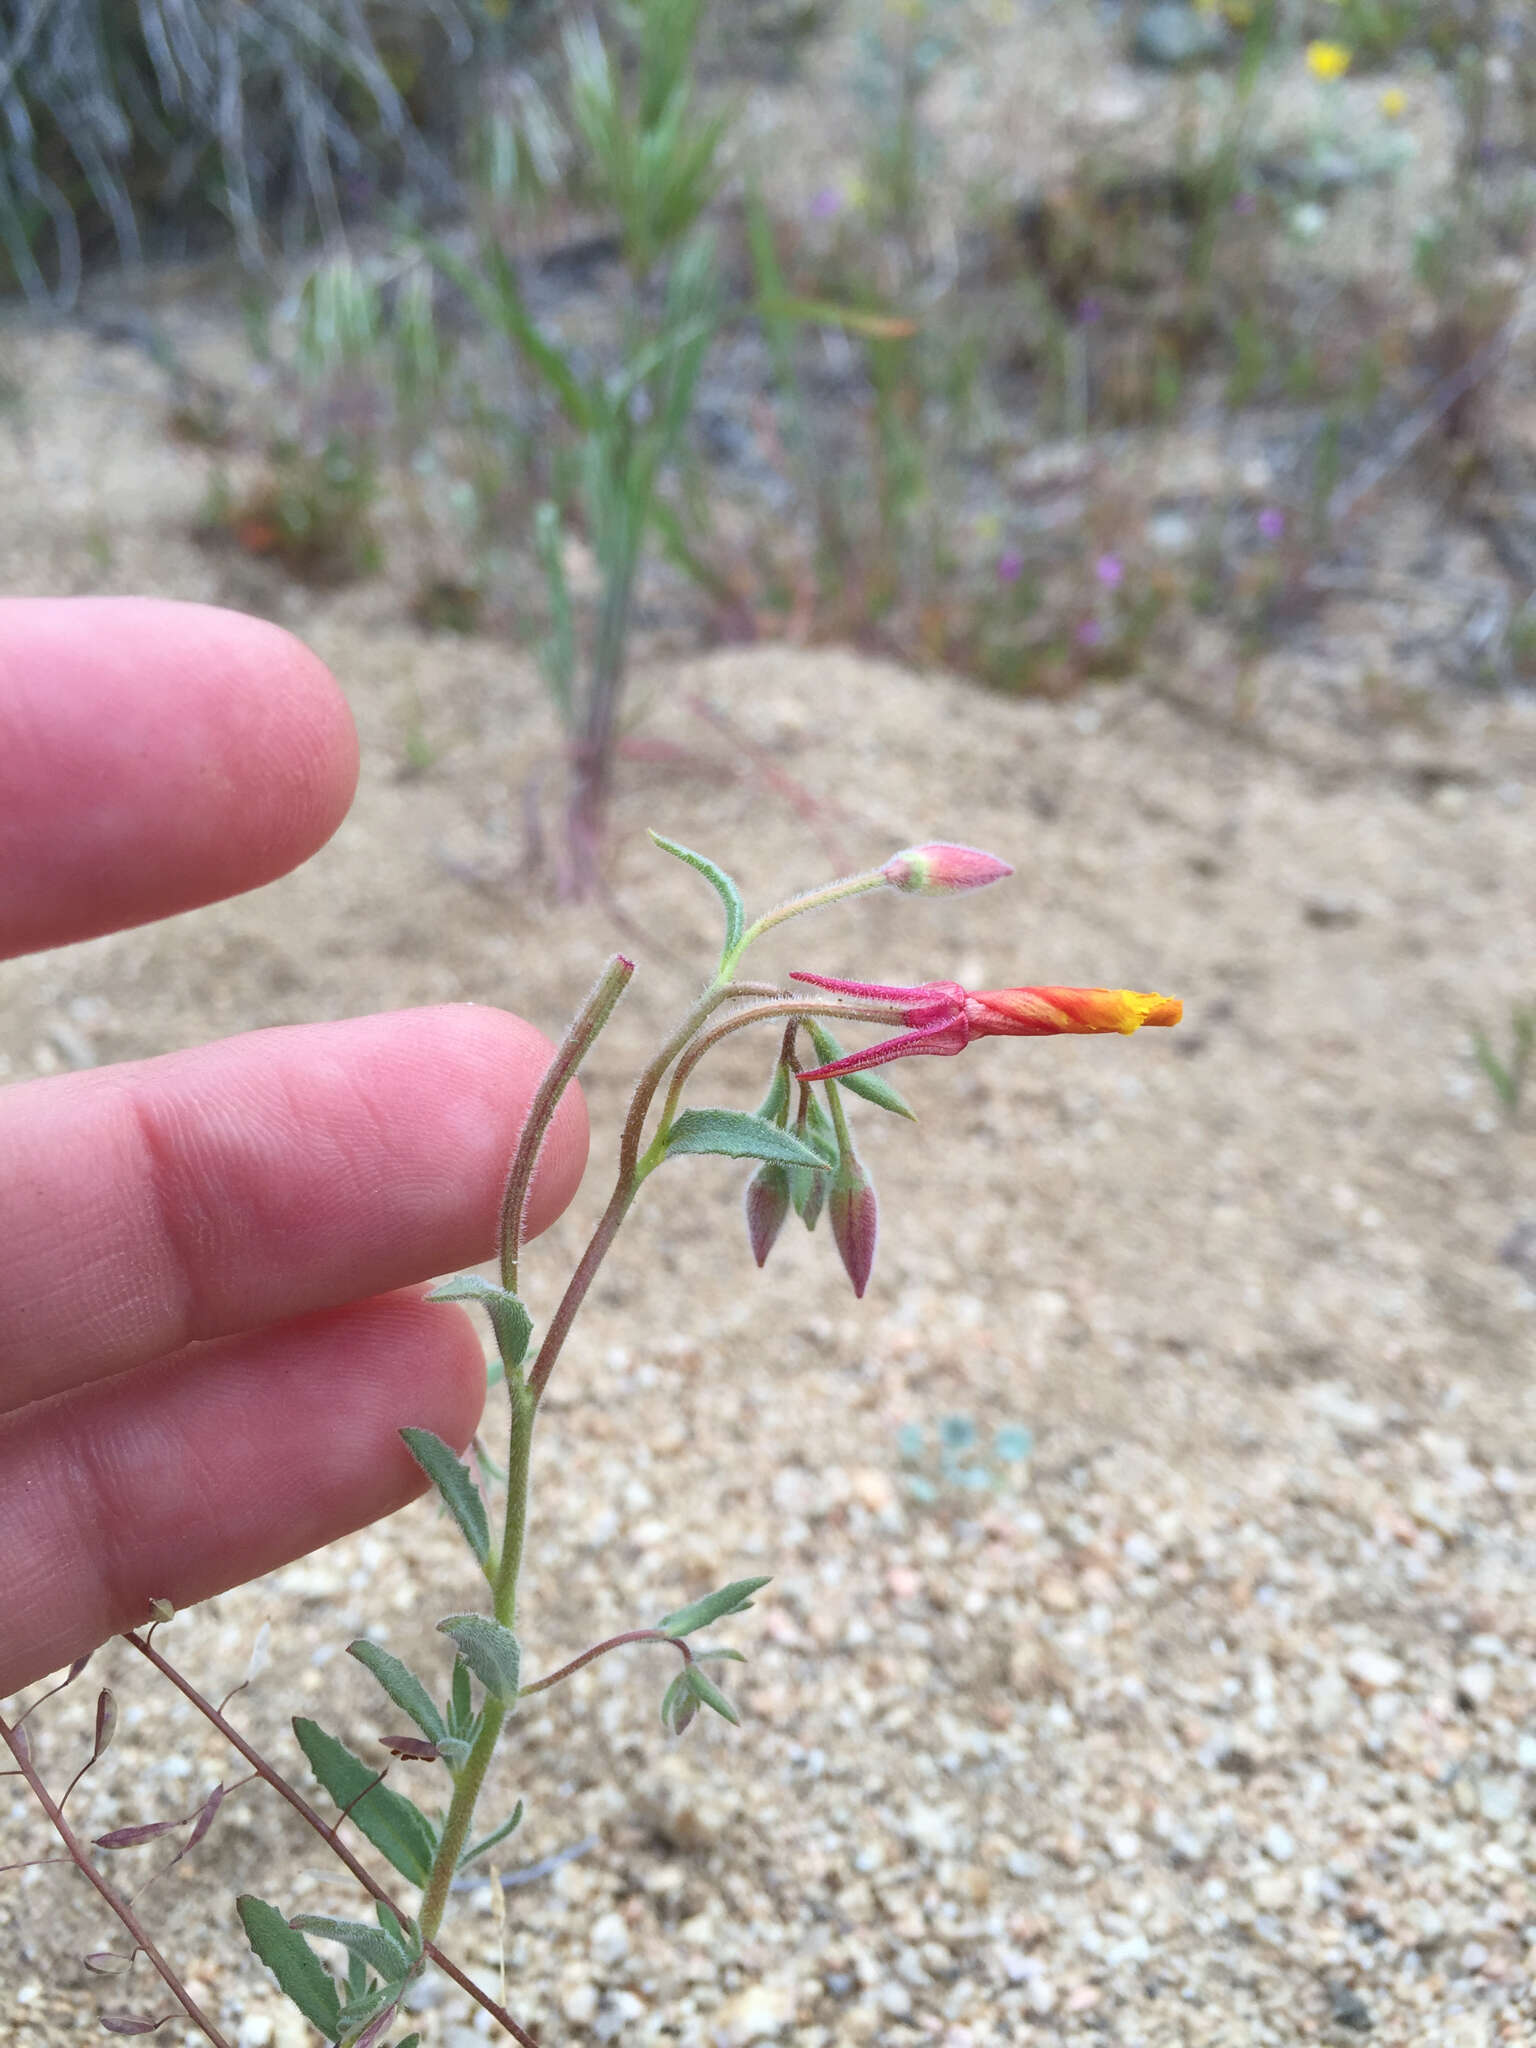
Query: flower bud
(940, 869)
(767, 1206)
(854, 1217)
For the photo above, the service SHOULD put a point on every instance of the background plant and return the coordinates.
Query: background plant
(158, 120)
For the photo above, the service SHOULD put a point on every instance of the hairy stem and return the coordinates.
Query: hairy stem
(589, 1021)
(630, 1635)
(813, 899)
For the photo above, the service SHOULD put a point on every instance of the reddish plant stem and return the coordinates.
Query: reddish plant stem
(307, 1813)
(119, 1905)
(632, 1635)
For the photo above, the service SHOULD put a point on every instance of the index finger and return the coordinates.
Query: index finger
(153, 757)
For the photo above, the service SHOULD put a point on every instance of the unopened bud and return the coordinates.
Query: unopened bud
(854, 1216)
(767, 1206)
(941, 869)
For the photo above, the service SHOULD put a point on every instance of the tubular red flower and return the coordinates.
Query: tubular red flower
(942, 1018)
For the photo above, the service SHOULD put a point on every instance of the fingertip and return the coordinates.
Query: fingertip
(158, 756)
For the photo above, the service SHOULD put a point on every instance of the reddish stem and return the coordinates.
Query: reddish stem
(119, 1905)
(633, 1635)
(306, 1812)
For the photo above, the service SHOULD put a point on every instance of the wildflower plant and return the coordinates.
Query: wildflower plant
(801, 1147)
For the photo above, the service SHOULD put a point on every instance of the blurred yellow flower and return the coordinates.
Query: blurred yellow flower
(1328, 60)
(1394, 103)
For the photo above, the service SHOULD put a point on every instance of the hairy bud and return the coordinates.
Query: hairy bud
(940, 869)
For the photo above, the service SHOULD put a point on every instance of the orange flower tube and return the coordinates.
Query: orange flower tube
(942, 1018)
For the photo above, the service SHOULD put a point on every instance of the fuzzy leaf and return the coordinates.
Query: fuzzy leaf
(461, 1715)
(719, 881)
(396, 1827)
(732, 1599)
(709, 1694)
(492, 1652)
(452, 1479)
(402, 1685)
(370, 1945)
(496, 1835)
(298, 1970)
(678, 1705)
(509, 1319)
(869, 1086)
(737, 1134)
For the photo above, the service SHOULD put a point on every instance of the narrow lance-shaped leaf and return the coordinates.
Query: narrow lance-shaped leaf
(460, 1494)
(509, 1319)
(461, 1706)
(496, 1835)
(396, 1827)
(402, 1685)
(299, 1971)
(678, 1705)
(732, 1599)
(708, 1694)
(737, 1134)
(491, 1652)
(719, 881)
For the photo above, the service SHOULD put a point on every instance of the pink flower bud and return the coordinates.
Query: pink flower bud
(939, 869)
(854, 1217)
(767, 1206)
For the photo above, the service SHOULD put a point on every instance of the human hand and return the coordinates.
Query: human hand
(209, 1335)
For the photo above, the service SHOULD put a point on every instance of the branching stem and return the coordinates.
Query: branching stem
(80, 1857)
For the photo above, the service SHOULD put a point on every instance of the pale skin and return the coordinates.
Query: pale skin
(211, 1262)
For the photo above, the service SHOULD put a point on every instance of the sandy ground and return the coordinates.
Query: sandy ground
(1217, 1724)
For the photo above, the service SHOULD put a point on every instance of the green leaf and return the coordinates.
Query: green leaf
(678, 1705)
(719, 881)
(709, 1694)
(509, 1319)
(396, 1827)
(492, 1652)
(370, 1945)
(357, 1980)
(496, 1835)
(406, 1932)
(378, 2004)
(298, 1970)
(732, 1599)
(461, 1711)
(737, 1134)
(774, 1107)
(402, 1685)
(870, 1086)
(719, 1656)
(460, 1494)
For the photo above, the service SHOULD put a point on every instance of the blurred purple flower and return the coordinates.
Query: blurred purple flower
(1089, 633)
(826, 203)
(1110, 571)
(1272, 523)
(1245, 202)
(1010, 566)
(1090, 312)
